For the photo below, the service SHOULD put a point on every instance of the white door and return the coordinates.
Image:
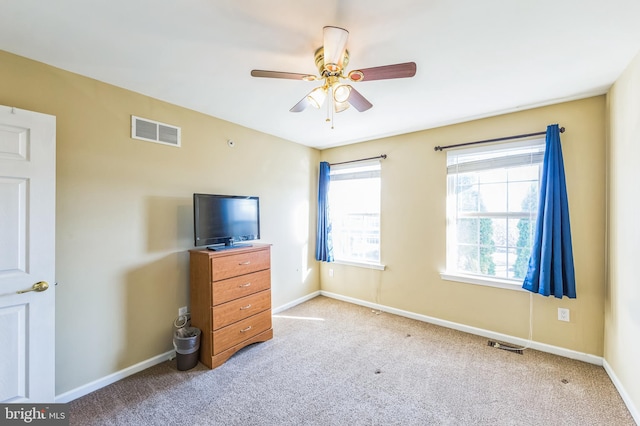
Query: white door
(27, 249)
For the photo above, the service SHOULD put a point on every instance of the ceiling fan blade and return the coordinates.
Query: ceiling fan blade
(279, 74)
(404, 70)
(300, 106)
(358, 101)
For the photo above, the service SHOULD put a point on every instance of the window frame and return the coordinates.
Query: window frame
(350, 172)
(493, 161)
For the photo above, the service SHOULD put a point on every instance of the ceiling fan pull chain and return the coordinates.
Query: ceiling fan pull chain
(329, 106)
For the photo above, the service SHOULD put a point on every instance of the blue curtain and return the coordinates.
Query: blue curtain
(551, 263)
(324, 244)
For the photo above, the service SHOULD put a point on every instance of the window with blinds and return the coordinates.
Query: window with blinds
(492, 203)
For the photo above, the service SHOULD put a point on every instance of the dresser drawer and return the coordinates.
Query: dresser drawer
(239, 264)
(239, 309)
(238, 332)
(235, 288)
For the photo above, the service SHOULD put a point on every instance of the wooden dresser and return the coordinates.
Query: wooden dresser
(230, 300)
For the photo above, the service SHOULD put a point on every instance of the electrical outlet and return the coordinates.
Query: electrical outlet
(183, 311)
(563, 314)
(330, 272)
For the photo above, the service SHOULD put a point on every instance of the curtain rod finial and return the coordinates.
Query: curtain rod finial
(561, 129)
(437, 148)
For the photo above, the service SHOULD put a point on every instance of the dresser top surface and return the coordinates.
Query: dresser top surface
(230, 252)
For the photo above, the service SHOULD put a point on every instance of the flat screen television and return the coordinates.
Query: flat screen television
(221, 221)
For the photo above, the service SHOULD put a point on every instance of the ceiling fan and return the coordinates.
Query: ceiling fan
(331, 59)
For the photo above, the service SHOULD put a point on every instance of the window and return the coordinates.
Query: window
(491, 209)
(354, 197)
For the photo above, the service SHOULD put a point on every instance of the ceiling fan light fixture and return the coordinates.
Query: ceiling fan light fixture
(341, 93)
(340, 106)
(317, 96)
(335, 44)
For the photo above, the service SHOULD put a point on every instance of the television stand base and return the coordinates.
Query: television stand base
(220, 248)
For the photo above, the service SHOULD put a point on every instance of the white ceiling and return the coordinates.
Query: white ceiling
(474, 58)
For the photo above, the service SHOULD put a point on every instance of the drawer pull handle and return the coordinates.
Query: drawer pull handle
(244, 330)
(244, 285)
(245, 307)
(248, 262)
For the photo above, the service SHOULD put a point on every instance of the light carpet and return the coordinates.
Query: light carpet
(335, 363)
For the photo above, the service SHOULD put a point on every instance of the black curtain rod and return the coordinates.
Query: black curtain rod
(383, 156)
(440, 148)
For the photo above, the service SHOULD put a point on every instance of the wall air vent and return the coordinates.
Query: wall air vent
(154, 131)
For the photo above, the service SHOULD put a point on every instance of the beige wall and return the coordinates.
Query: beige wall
(413, 230)
(124, 213)
(622, 307)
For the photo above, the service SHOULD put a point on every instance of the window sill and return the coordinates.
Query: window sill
(367, 265)
(488, 282)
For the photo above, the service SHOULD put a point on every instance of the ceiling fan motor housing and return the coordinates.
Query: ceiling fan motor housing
(329, 70)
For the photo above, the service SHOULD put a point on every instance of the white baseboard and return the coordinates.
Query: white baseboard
(112, 378)
(543, 347)
(623, 393)
(295, 302)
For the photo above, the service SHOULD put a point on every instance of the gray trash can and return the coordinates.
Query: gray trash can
(186, 341)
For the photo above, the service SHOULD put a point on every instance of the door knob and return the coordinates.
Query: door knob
(39, 286)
